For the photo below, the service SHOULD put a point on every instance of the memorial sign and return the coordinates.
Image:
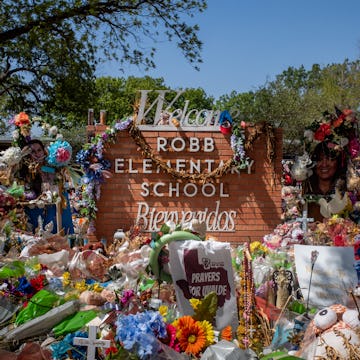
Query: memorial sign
(180, 169)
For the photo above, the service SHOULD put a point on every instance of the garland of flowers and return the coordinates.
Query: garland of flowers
(239, 159)
(96, 167)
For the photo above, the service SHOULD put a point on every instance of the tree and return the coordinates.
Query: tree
(49, 50)
(119, 96)
(297, 97)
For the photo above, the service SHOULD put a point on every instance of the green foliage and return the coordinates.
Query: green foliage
(49, 50)
(207, 308)
(297, 97)
(119, 96)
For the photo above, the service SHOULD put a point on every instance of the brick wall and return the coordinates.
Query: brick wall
(255, 197)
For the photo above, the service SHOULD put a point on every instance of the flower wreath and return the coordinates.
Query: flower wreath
(338, 129)
(96, 167)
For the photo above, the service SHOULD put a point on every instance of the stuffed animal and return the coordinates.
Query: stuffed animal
(302, 168)
(334, 333)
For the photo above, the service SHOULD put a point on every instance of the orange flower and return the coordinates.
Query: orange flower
(226, 333)
(192, 338)
(22, 119)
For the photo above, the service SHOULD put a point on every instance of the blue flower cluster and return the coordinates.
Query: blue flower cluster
(139, 332)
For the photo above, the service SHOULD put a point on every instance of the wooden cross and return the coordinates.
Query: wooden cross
(91, 342)
(304, 220)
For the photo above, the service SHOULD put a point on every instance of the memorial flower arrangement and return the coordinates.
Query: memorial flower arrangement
(335, 231)
(336, 128)
(149, 332)
(96, 166)
(237, 141)
(288, 233)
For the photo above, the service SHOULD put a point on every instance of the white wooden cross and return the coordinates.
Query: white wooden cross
(91, 342)
(304, 220)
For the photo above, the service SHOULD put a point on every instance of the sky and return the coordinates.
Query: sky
(246, 43)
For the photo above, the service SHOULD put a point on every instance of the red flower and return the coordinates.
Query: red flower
(339, 240)
(288, 179)
(38, 282)
(323, 131)
(63, 155)
(111, 350)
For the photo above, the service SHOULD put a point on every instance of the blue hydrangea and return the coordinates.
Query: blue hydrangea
(139, 332)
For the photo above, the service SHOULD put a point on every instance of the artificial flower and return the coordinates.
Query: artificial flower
(208, 331)
(170, 339)
(81, 285)
(22, 119)
(66, 279)
(195, 303)
(59, 153)
(38, 282)
(163, 310)
(192, 337)
(139, 332)
(237, 140)
(226, 333)
(323, 131)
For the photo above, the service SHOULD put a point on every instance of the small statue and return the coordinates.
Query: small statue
(283, 282)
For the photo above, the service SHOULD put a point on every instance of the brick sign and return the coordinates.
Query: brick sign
(239, 206)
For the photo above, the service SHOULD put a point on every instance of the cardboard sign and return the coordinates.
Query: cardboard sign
(201, 267)
(333, 274)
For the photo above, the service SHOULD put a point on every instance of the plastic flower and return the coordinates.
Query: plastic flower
(323, 131)
(195, 303)
(59, 153)
(139, 332)
(81, 285)
(66, 279)
(22, 119)
(24, 286)
(97, 288)
(170, 339)
(163, 310)
(256, 247)
(226, 333)
(38, 282)
(208, 331)
(191, 337)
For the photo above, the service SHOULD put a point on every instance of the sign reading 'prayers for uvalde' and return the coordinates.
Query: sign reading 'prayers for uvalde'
(152, 219)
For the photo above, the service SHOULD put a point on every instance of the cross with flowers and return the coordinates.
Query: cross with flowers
(91, 342)
(304, 221)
